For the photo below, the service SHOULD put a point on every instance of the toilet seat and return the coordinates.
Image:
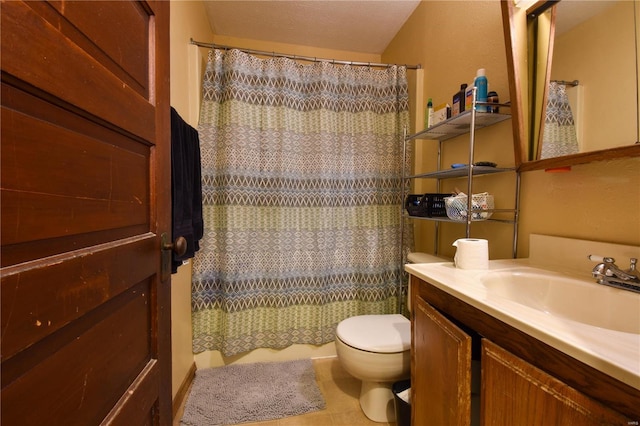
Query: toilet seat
(376, 333)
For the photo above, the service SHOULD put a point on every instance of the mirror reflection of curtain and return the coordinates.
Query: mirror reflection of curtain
(559, 136)
(301, 193)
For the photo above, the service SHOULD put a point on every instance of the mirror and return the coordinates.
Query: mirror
(542, 46)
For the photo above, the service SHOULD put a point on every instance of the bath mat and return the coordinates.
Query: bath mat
(245, 393)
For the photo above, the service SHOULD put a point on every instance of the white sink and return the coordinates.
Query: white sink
(557, 303)
(570, 298)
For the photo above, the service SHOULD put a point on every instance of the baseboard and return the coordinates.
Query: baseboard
(324, 357)
(183, 391)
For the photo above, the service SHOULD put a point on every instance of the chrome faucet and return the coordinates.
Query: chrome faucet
(608, 273)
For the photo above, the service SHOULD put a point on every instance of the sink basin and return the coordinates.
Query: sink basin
(570, 298)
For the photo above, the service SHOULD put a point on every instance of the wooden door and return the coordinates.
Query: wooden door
(85, 187)
(440, 370)
(515, 392)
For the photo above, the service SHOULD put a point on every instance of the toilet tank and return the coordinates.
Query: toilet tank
(416, 257)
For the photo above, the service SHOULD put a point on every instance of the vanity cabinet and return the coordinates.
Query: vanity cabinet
(442, 351)
(523, 381)
(515, 392)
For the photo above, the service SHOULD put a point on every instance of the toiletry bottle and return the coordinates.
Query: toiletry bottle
(458, 101)
(481, 92)
(468, 97)
(492, 98)
(428, 117)
(462, 94)
(455, 104)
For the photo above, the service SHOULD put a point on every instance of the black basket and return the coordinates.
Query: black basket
(415, 206)
(426, 205)
(435, 204)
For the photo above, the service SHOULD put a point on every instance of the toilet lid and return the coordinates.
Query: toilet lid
(376, 333)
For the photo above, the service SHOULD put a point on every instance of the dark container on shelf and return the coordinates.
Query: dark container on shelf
(415, 206)
(426, 205)
(435, 204)
(492, 98)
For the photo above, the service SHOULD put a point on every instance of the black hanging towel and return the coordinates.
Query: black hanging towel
(186, 187)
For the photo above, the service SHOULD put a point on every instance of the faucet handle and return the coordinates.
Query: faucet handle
(632, 268)
(601, 259)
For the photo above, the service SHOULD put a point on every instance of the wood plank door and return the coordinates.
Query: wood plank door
(85, 187)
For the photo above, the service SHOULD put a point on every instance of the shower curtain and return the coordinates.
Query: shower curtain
(559, 136)
(301, 170)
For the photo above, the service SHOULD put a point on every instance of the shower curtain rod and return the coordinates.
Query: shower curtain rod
(567, 83)
(303, 58)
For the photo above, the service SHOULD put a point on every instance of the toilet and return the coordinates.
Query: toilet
(376, 350)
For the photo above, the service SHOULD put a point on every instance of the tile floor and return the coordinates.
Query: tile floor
(340, 392)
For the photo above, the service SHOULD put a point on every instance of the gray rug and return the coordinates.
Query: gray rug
(244, 393)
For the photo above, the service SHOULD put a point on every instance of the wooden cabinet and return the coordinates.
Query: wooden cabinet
(523, 381)
(516, 393)
(441, 368)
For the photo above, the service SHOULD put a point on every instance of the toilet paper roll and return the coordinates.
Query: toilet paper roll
(471, 253)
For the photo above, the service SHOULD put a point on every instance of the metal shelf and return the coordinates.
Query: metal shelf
(446, 219)
(460, 172)
(459, 125)
(465, 123)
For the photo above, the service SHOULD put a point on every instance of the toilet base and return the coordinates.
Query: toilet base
(376, 401)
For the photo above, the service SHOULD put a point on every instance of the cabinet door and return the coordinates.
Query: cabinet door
(515, 392)
(441, 369)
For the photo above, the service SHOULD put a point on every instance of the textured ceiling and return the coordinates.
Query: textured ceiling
(357, 26)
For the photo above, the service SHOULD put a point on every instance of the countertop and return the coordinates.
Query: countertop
(614, 353)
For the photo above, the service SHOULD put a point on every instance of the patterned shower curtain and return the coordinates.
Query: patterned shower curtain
(559, 137)
(301, 170)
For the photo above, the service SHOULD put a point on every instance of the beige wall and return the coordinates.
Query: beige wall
(451, 40)
(188, 20)
(292, 49)
(598, 201)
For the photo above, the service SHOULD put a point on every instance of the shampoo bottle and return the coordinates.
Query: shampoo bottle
(428, 116)
(481, 89)
(458, 101)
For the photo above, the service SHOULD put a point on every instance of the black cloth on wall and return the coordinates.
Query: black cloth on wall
(186, 187)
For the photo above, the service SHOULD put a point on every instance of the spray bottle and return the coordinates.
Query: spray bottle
(428, 115)
(481, 89)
